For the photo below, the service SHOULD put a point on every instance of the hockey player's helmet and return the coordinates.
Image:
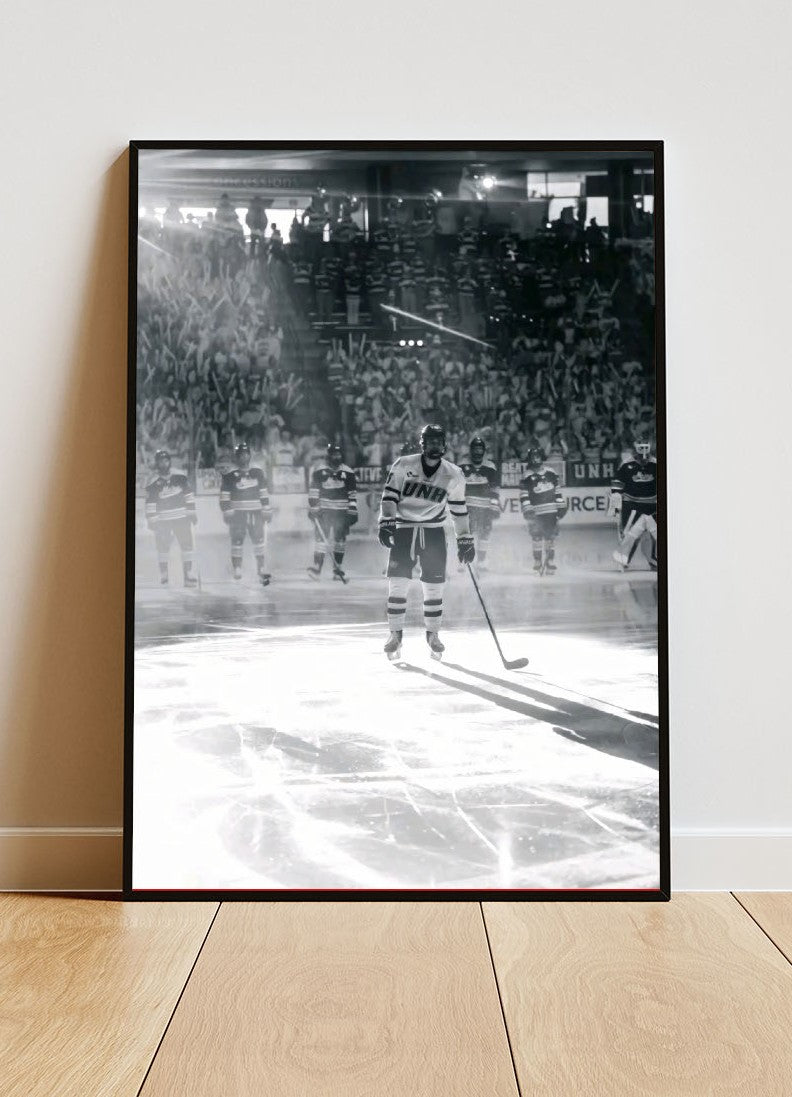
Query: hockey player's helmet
(242, 454)
(334, 455)
(535, 457)
(478, 448)
(162, 460)
(642, 449)
(433, 440)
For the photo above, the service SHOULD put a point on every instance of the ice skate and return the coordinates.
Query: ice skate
(393, 647)
(237, 571)
(163, 580)
(190, 582)
(538, 567)
(550, 568)
(265, 578)
(338, 575)
(621, 559)
(436, 646)
(314, 572)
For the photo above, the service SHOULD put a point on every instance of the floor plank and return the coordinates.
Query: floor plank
(339, 1000)
(773, 912)
(87, 988)
(682, 999)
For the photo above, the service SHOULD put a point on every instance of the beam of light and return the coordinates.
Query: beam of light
(162, 251)
(433, 324)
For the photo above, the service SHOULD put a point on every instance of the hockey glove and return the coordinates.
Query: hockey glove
(614, 504)
(387, 532)
(351, 518)
(466, 550)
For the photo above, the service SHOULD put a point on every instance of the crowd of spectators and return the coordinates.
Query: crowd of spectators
(209, 360)
(565, 317)
(559, 322)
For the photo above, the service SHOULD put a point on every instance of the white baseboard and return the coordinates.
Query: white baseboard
(89, 859)
(61, 858)
(703, 860)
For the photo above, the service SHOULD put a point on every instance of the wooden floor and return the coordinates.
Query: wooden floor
(691, 998)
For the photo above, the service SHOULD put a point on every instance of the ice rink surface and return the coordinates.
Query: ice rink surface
(276, 747)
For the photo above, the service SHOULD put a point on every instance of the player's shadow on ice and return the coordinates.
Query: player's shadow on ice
(578, 721)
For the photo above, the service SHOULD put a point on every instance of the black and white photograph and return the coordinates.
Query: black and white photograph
(397, 616)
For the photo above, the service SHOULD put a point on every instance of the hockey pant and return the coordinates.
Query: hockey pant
(334, 529)
(425, 547)
(481, 528)
(247, 523)
(181, 529)
(543, 529)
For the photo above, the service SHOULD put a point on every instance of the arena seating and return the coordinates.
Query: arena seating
(557, 354)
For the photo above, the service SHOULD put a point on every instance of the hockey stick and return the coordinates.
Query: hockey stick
(336, 569)
(509, 664)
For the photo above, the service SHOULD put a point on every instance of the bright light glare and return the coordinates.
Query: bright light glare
(488, 182)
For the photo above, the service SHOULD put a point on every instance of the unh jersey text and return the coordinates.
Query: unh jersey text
(414, 498)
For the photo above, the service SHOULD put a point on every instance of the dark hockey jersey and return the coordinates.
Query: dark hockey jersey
(169, 497)
(244, 490)
(540, 493)
(481, 487)
(333, 489)
(636, 481)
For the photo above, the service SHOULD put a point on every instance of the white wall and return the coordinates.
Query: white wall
(711, 78)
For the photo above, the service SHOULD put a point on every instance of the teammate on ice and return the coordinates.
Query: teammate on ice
(170, 512)
(542, 504)
(633, 500)
(244, 501)
(419, 493)
(332, 507)
(482, 496)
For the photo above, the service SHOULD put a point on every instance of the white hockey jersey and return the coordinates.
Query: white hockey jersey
(415, 498)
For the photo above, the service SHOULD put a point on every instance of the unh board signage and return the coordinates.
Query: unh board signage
(592, 473)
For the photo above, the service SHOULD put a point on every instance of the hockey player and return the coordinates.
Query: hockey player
(482, 496)
(633, 499)
(332, 507)
(420, 492)
(170, 512)
(542, 504)
(244, 501)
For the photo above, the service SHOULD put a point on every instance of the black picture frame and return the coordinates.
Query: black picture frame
(661, 894)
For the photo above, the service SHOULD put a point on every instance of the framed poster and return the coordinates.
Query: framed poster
(396, 521)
